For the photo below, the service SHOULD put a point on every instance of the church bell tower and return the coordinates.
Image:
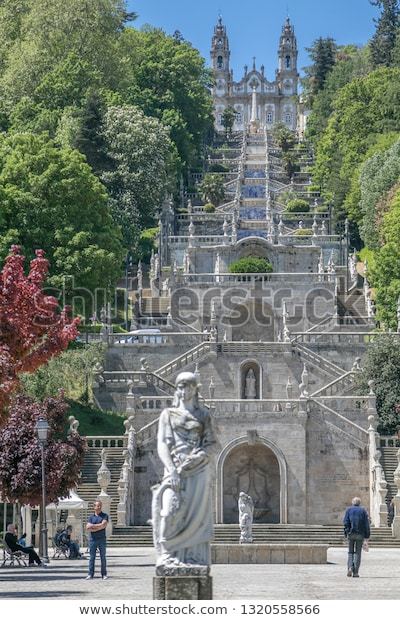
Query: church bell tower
(220, 56)
(287, 75)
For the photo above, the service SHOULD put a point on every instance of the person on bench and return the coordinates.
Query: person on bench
(12, 543)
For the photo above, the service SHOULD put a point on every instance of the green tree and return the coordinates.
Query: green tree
(212, 188)
(251, 264)
(167, 79)
(323, 54)
(228, 119)
(283, 137)
(383, 42)
(50, 199)
(381, 364)
(140, 156)
(297, 205)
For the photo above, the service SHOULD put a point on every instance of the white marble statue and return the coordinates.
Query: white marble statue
(250, 391)
(181, 511)
(246, 510)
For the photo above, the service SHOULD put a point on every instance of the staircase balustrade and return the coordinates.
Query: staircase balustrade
(193, 355)
(377, 481)
(396, 520)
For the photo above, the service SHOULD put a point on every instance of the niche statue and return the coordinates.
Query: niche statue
(181, 509)
(246, 509)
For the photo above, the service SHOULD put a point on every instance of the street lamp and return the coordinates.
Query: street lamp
(42, 430)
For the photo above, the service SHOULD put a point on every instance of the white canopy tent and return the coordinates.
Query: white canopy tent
(76, 507)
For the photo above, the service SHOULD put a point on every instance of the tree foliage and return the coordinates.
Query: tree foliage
(139, 152)
(323, 54)
(212, 188)
(251, 264)
(381, 364)
(383, 42)
(20, 453)
(51, 200)
(228, 119)
(32, 329)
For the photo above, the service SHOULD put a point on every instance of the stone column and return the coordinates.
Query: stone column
(104, 479)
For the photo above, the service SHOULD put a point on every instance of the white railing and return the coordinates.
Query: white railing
(253, 278)
(389, 441)
(341, 384)
(337, 337)
(318, 360)
(193, 355)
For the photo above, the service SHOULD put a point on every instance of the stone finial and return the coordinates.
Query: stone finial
(357, 365)
(279, 337)
(225, 337)
(346, 227)
(301, 225)
(225, 227)
(103, 474)
(143, 364)
(197, 373)
(285, 316)
(315, 226)
(190, 207)
(280, 226)
(323, 228)
(130, 387)
(191, 228)
(73, 425)
(289, 389)
(139, 276)
(211, 388)
(304, 383)
(371, 385)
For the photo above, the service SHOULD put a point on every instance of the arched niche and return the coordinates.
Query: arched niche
(246, 383)
(258, 469)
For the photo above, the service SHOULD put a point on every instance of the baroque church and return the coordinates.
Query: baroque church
(276, 100)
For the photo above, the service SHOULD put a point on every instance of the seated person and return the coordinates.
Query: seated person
(12, 543)
(64, 538)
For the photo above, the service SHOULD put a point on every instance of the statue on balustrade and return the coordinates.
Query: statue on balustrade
(250, 391)
(246, 510)
(182, 507)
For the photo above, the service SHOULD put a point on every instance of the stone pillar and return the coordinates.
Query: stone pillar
(104, 479)
(396, 520)
(26, 514)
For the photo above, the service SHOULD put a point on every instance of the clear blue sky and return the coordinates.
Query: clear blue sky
(254, 25)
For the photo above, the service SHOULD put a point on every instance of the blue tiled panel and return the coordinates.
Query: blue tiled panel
(252, 213)
(253, 191)
(254, 174)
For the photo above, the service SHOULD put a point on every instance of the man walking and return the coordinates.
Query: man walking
(96, 525)
(356, 529)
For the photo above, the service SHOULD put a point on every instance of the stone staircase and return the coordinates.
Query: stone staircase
(389, 463)
(89, 489)
(332, 535)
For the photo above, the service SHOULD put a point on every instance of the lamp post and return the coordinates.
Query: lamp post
(42, 430)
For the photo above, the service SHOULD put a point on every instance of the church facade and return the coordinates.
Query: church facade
(276, 100)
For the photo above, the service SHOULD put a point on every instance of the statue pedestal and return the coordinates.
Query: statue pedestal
(182, 588)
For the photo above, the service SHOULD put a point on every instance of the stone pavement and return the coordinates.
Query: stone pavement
(131, 572)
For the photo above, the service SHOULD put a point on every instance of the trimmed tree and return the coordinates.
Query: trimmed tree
(251, 264)
(20, 454)
(33, 330)
(212, 189)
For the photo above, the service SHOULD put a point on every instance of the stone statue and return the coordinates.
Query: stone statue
(250, 391)
(246, 510)
(181, 510)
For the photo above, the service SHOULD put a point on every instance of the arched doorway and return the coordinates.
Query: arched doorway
(259, 470)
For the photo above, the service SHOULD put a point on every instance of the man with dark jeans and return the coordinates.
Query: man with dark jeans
(12, 543)
(356, 529)
(96, 525)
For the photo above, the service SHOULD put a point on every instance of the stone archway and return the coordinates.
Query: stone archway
(259, 469)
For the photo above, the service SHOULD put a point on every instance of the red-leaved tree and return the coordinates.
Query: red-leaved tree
(32, 328)
(20, 454)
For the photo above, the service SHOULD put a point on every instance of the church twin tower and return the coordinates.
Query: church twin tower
(276, 101)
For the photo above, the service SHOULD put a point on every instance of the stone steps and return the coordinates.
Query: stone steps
(263, 534)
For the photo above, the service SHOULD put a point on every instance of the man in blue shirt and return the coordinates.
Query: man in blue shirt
(96, 525)
(356, 529)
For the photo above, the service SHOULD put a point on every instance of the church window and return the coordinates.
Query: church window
(288, 119)
(220, 62)
(238, 117)
(220, 118)
(270, 117)
(288, 64)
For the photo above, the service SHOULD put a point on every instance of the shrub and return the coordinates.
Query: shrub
(209, 207)
(251, 264)
(147, 243)
(303, 232)
(298, 205)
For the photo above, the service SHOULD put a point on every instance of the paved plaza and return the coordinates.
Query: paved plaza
(131, 573)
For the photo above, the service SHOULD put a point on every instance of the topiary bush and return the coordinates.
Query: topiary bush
(303, 232)
(298, 205)
(209, 207)
(251, 264)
